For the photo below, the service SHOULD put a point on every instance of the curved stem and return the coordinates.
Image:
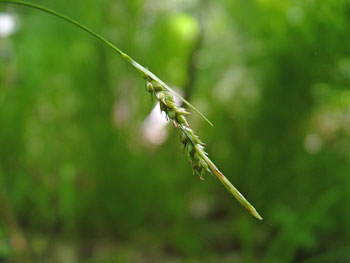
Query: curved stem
(67, 19)
(145, 73)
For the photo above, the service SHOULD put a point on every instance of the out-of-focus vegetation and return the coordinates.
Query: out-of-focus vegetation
(82, 177)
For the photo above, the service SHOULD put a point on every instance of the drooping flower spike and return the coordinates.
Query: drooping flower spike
(193, 146)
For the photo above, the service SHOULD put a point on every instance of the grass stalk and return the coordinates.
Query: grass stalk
(193, 146)
(145, 73)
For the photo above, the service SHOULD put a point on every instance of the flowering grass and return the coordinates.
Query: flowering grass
(194, 147)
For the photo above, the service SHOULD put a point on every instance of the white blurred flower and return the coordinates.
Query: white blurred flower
(8, 24)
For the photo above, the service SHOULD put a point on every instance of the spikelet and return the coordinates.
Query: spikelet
(193, 146)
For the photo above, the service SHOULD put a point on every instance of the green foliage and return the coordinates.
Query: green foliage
(273, 76)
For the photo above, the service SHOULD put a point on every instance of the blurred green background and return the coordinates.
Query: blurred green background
(87, 173)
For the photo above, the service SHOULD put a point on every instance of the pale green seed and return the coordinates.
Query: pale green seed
(171, 114)
(181, 119)
(158, 87)
(149, 87)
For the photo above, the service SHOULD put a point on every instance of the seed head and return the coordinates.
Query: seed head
(193, 146)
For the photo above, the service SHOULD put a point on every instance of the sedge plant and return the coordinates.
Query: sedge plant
(193, 146)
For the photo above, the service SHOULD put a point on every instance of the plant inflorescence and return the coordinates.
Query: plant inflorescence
(193, 146)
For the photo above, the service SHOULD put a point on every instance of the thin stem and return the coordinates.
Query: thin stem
(222, 178)
(67, 19)
(145, 73)
(233, 190)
